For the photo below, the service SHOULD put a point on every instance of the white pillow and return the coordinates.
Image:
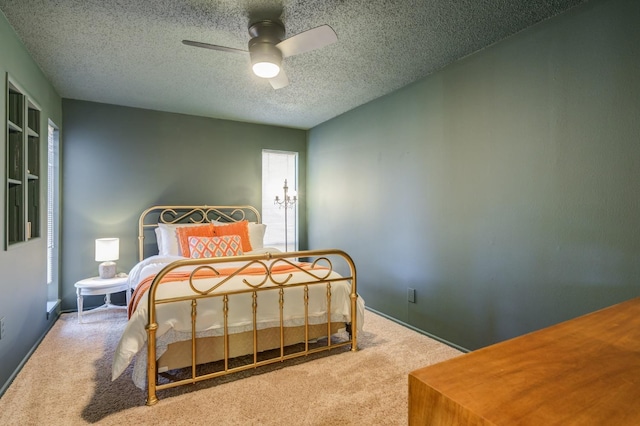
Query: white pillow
(159, 241)
(167, 238)
(256, 233)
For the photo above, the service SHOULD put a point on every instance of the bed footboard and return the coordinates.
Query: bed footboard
(259, 280)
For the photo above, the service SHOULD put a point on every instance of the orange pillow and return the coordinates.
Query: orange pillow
(184, 232)
(238, 228)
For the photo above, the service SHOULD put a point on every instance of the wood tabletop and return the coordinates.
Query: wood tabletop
(584, 371)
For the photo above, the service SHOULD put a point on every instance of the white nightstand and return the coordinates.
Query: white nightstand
(96, 285)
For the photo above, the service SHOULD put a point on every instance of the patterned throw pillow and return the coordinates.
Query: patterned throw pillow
(228, 245)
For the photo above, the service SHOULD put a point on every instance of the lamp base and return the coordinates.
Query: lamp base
(107, 270)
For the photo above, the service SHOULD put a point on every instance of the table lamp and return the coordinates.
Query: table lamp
(107, 250)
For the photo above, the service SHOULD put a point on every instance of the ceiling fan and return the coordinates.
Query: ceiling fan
(267, 48)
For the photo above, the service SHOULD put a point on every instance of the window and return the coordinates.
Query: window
(278, 166)
(52, 212)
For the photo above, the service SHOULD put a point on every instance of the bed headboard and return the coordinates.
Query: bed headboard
(150, 218)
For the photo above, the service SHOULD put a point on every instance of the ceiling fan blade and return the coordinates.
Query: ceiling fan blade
(279, 81)
(214, 47)
(307, 41)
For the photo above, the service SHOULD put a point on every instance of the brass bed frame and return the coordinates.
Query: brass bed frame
(196, 351)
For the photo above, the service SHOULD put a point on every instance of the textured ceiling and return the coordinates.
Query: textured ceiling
(130, 52)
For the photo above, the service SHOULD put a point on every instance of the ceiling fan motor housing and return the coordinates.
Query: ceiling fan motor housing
(262, 46)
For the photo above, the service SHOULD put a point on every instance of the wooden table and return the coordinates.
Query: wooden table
(585, 371)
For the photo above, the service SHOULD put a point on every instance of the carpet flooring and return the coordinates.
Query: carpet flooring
(67, 381)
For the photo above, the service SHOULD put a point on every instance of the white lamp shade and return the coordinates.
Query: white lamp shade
(107, 249)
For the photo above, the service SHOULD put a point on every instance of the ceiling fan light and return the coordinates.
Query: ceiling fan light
(266, 69)
(265, 58)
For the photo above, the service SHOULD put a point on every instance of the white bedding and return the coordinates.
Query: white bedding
(174, 319)
(153, 264)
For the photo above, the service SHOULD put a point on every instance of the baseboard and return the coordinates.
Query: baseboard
(417, 330)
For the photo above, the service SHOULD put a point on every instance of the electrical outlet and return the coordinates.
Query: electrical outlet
(411, 295)
(1, 327)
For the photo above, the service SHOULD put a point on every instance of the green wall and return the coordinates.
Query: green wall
(504, 188)
(118, 161)
(23, 282)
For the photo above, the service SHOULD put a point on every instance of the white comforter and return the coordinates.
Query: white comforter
(174, 319)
